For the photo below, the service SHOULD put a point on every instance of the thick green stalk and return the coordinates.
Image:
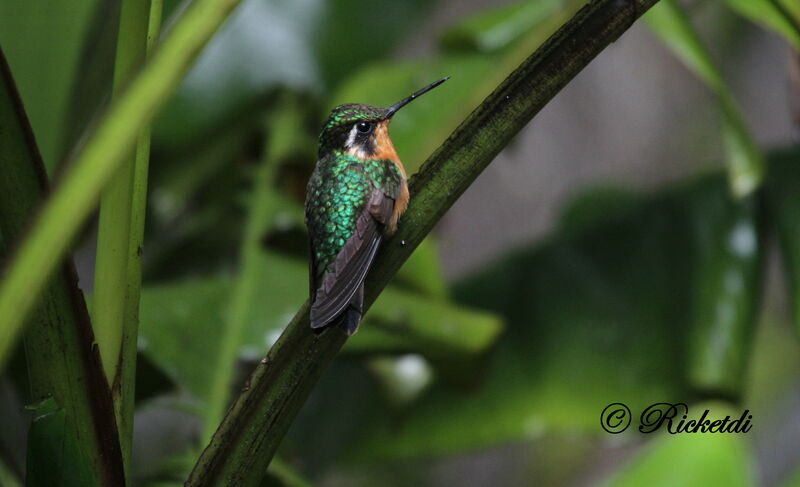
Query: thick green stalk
(62, 362)
(117, 276)
(111, 280)
(123, 389)
(104, 151)
(111, 261)
(255, 424)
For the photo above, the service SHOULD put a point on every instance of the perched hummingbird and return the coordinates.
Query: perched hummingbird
(355, 196)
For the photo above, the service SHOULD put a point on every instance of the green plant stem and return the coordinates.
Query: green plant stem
(744, 161)
(254, 426)
(112, 286)
(96, 162)
(62, 362)
(123, 388)
(111, 260)
(117, 276)
(285, 127)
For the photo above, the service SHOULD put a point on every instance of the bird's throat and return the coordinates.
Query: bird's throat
(379, 147)
(384, 149)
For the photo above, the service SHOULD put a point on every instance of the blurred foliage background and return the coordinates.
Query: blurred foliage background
(639, 242)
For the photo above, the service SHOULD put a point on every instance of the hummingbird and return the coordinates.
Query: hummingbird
(355, 196)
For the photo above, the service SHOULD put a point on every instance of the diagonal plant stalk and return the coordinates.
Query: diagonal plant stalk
(254, 426)
(120, 232)
(62, 362)
(105, 149)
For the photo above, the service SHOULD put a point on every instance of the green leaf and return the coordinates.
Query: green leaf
(593, 206)
(784, 215)
(7, 476)
(352, 32)
(91, 89)
(600, 314)
(498, 27)
(181, 323)
(43, 42)
(792, 7)
(52, 436)
(180, 328)
(284, 475)
(727, 256)
(96, 161)
(423, 126)
(707, 460)
(793, 480)
(60, 362)
(745, 162)
(266, 203)
(422, 273)
(771, 14)
(309, 45)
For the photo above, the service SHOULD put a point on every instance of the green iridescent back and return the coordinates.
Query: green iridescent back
(338, 192)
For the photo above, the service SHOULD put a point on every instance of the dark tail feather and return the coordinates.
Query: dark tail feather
(352, 314)
(351, 319)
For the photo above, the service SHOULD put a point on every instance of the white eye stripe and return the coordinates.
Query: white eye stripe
(351, 137)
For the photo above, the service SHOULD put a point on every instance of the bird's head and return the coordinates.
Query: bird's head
(363, 130)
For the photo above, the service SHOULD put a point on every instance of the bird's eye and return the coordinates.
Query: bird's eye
(364, 127)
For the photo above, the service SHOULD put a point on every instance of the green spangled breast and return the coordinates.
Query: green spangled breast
(338, 192)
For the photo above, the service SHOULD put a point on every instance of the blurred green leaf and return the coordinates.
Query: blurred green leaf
(7, 476)
(771, 14)
(775, 367)
(308, 45)
(692, 460)
(727, 255)
(43, 42)
(422, 126)
(793, 480)
(422, 273)
(181, 323)
(784, 214)
(180, 328)
(95, 70)
(352, 32)
(265, 202)
(280, 473)
(745, 163)
(593, 206)
(95, 161)
(59, 360)
(48, 438)
(597, 315)
(497, 27)
(793, 8)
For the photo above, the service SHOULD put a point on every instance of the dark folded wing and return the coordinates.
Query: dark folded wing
(335, 289)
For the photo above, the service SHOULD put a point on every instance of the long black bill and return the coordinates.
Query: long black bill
(405, 101)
